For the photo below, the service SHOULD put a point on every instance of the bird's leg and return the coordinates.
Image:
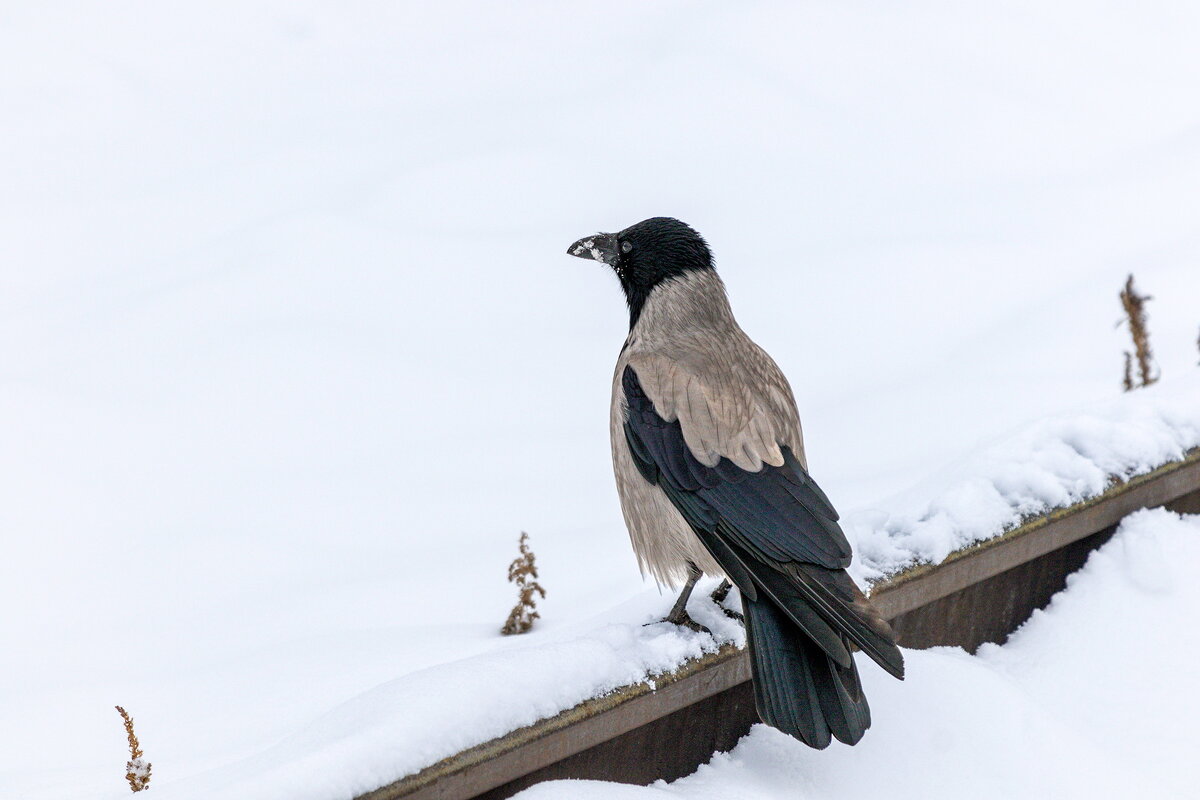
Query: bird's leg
(718, 596)
(679, 615)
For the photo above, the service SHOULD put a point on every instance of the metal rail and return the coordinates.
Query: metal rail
(636, 735)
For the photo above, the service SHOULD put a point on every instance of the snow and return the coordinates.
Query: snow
(138, 771)
(1053, 463)
(412, 721)
(290, 349)
(1093, 697)
(408, 723)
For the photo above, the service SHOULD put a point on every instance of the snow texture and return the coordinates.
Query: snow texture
(291, 351)
(1094, 697)
(409, 723)
(1053, 463)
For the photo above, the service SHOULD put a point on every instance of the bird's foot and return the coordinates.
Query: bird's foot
(682, 619)
(718, 596)
(721, 592)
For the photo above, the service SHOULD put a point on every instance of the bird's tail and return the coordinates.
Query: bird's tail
(797, 687)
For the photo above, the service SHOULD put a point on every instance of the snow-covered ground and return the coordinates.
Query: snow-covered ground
(290, 349)
(1095, 696)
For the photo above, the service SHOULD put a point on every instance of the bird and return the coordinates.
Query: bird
(711, 472)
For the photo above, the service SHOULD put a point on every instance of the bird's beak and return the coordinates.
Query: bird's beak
(602, 247)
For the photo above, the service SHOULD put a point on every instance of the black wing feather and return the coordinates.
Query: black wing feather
(777, 512)
(773, 531)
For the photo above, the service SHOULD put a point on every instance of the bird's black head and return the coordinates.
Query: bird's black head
(646, 254)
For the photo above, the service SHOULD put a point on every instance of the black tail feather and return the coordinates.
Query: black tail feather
(836, 599)
(797, 687)
(823, 602)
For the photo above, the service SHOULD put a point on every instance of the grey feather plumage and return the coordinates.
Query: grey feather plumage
(711, 471)
(710, 467)
(698, 366)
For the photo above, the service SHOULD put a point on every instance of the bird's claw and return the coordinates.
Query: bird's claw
(718, 596)
(683, 620)
(736, 616)
(721, 592)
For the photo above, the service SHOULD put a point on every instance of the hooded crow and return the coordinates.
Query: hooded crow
(710, 468)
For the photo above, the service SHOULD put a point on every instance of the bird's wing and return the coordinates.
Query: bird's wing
(719, 444)
(708, 389)
(769, 526)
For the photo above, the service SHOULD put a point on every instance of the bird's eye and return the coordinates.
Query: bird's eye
(626, 247)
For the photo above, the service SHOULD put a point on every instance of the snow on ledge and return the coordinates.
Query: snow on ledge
(1063, 709)
(416, 720)
(1054, 463)
(1051, 464)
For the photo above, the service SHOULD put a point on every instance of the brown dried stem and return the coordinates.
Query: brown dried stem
(1135, 314)
(137, 769)
(523, 572)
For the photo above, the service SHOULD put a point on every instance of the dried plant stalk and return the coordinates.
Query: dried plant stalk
(1135, 314)
(137, 768)
(523, 572)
